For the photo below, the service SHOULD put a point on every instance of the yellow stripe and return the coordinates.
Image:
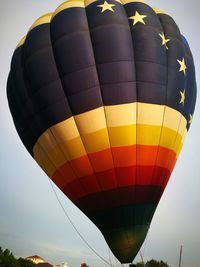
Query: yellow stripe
(89, 2)
(21, 42)
(64, 141)
(43, 160)
(183, 131)
(158, 11)
(42, 20)
(121, 123)
(124, 2)
(132, 1)
(98, 141)
(122, 136)
(69, 4)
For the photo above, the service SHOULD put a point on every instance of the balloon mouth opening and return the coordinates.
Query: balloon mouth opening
(125, 243)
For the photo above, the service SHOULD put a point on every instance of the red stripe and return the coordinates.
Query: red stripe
(117, 178)
(139, 194)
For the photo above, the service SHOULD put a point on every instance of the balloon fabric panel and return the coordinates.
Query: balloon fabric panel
(102, 94)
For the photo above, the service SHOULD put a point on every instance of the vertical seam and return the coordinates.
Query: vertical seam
(136, 113)
(56, 64)
(101, 97)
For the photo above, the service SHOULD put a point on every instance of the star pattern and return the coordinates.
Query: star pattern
(182, 100)
(138, 18)
(164, 40)
(183, 66)
(106, 6)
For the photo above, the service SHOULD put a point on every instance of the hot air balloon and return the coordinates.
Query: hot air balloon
(102, 94)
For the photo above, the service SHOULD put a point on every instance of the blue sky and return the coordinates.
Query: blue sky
(32, 221)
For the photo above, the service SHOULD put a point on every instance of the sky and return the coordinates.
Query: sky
(31, 219)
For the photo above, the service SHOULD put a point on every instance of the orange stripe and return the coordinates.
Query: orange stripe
(103, 160)
(103, 176)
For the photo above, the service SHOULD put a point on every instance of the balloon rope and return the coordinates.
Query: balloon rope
(75, 228)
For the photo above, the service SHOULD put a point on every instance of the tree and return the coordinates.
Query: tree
(151, 263)
(8, 260)
(154, 263)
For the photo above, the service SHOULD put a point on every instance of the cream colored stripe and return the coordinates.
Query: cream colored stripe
(65, 130)
(89, 2)
(41, 20)
(43, 160)
(69, 4)
(172, 120)
(119, 115)
(182, 142)
(88, 132)
(183, 130)
(158, 11)
(61, 142)
(91, 121)
(125, 114)
(21, 42)
(132, 1)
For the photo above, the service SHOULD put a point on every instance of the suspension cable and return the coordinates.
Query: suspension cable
(75, 228)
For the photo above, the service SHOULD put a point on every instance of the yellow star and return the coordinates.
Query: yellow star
(182, 65)
(138, 18)
(164, 40)
(190, 120)
(106, 6)
(182, 100)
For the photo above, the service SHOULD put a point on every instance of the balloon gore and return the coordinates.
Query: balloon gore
(102, 94)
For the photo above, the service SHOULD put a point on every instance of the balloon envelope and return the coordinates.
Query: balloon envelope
(102, 94)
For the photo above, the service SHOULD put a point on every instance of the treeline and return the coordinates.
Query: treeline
(7, 259)
(151, 263)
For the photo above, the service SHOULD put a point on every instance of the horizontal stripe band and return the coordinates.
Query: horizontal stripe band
(107, 159)
(112, 179)
(46, 18)
(114, 217)
(119, 197)
(69, 4)
(158, 11)
(21, 42)
(124, 2)
(59, 153)
(62, 142)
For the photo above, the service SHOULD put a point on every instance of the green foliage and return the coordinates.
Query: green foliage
(8, 260)
(151, 263)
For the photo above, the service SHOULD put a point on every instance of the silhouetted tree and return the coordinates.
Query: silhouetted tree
(154, 263)
(151, 263)
(8, 260)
